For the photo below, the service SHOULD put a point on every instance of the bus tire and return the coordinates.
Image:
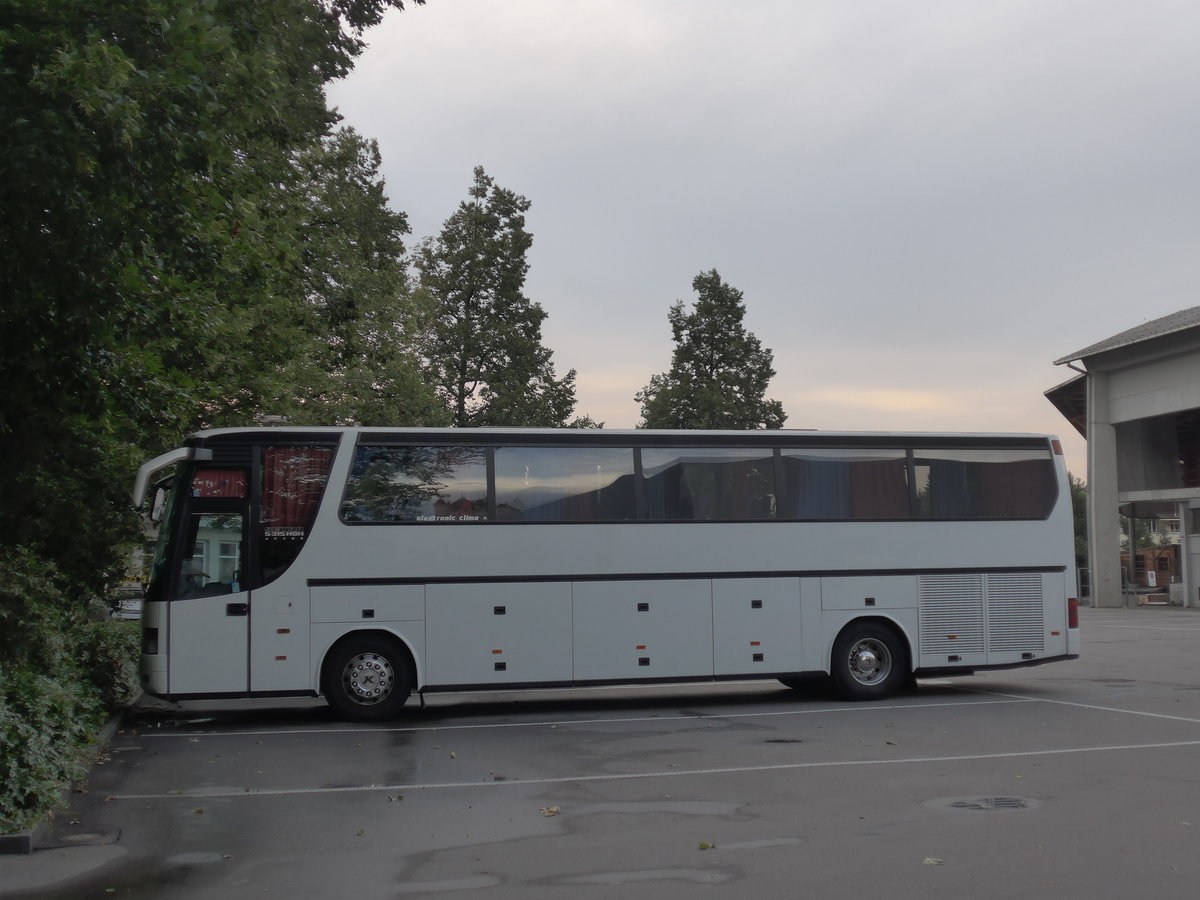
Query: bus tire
(869, 662)
(367, 679)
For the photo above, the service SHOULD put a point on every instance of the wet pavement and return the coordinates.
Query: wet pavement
(1074, 779)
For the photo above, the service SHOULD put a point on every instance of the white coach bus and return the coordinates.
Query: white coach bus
(365, 563)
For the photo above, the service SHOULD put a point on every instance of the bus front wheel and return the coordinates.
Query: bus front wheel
(366, 679)
(870, 662)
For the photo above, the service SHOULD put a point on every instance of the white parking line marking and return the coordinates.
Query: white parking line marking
(674, 773)
(559, 723)
(1093, 706)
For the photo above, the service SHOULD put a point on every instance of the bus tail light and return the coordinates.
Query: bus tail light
(150, 641)
(1073, 612)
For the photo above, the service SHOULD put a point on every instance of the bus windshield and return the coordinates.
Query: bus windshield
(202, 544)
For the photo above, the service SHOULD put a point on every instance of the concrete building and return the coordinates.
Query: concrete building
(1137, 402)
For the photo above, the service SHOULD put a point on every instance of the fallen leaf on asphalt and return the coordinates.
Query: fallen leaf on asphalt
(550, 811)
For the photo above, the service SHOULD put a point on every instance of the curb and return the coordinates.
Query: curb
(23, 843)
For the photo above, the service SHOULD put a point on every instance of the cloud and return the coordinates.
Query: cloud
(883, 400)
(924, 202)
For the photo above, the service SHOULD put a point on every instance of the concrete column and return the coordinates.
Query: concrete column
(1191, 556)
(1104, 526)
(1185, 552)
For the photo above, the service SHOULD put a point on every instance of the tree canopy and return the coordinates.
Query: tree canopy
(151, 159)
(719, 371)
(481, 336)
(357, 361)
(183, 243)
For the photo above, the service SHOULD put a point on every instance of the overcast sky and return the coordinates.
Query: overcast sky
(925, 202)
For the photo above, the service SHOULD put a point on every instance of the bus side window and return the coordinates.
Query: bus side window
(712, 484)
(841, 484)
(985, 484)
(417, 484)
(564, 484)
(293, 481)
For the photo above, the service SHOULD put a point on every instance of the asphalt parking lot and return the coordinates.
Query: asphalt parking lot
(1077, 779)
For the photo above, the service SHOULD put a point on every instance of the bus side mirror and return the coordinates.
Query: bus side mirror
(159, 506)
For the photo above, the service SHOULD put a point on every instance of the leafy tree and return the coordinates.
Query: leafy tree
(1079, 510)
(361, 365)
(143, 250)
(151, 282)
(719, 370)
(481, 336)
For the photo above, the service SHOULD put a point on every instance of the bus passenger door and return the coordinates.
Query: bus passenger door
(209, 612)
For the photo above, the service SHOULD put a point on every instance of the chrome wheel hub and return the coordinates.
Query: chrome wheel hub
(870, 661)
(368, 678)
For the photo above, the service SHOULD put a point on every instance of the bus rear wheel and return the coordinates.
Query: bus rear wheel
(870, 662)
(366, 679)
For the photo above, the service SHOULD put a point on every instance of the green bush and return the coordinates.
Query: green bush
(63, 668)
(45, 724)
(113, 647)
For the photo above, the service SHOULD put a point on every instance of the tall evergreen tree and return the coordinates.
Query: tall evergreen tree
(719, 371)
(482, 337)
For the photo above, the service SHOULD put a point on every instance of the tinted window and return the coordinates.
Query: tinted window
(293, 481)
(992, 484)
(223, 484)
(564, 484)
(709, 484)
(845, 484)
(599, 484)
(417, 484)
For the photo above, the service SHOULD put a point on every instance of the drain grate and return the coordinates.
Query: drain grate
(983, 804)
(989, 803)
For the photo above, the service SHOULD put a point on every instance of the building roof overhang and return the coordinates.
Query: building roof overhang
(1070, 399)
(1147, 331)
